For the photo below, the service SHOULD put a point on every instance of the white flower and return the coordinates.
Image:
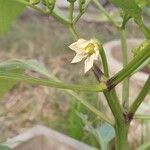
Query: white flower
(85, 49)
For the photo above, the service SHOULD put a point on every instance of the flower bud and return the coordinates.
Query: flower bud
(50, 4)
(81, 3)
(71, 1)
(34, 2)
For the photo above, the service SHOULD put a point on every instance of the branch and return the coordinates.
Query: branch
(140, 97)
(50, 83)
(141, 57)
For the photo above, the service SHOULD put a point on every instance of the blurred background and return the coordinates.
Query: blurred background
(35, 36)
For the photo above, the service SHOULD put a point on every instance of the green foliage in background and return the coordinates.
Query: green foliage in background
(9, 11)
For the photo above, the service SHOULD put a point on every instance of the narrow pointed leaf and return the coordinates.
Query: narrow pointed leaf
(50, 83)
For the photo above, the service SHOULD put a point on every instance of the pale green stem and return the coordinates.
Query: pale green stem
(144, 146)
(54, 14)
(85, 103)
(71, 9)
(60, 18)
(101, 8)
(51, 83)
(142, 117)
(104, 61)
(140, 98)
(74, 32)
(71, 17)
(125, 88)
(75, 20)
(91, 108)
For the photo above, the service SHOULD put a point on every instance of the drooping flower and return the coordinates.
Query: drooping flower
(88, 50)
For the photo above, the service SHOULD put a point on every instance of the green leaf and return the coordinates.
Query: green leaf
(49, 83)
(7, 84)
(74, 122)
(103, 133)
(31, 64)
(107, 132)
(18, 66)
(9, 11)
(8, 72)
(129, 7)
(4, 147)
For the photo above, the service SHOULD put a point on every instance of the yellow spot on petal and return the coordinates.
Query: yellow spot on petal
(90, 49)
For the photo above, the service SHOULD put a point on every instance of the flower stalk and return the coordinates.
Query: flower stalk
(125, 88)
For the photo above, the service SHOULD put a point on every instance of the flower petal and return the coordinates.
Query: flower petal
(95, 56)
(88, 63)
(78, 46)
(78, 57)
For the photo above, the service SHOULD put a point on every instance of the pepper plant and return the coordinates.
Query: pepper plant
(92, 51)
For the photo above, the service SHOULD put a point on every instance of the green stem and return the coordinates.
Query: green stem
(101, 8)
(85, 103)
(90, 107)
(114, 105)
(104, 62)
(143, 55)
(31, 6)
(142, 117)
(121, 136)
(60, 18)
(125, 88)
(51, 83)
(111, 96)
(74, 32)
(54, 14)
(72, 27)
(71, 9)
(75, 20)
(140, 97)
(144, 29)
